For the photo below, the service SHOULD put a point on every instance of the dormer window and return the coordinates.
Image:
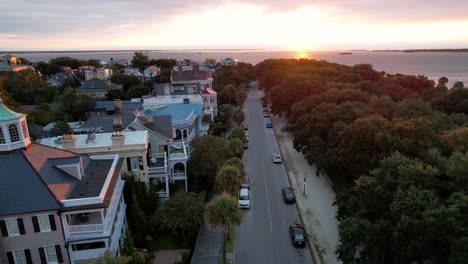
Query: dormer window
(14, 135)
(2, 138)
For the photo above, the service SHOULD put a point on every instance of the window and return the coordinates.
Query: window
(2, 138)
(24, 127)
(14, 135)
(136, 163)
(20, 257)
(51, 254)
(12, 227)
(44, 223)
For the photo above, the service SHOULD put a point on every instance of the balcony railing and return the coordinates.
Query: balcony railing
(81, 229)
(158, 163)
(179, 176)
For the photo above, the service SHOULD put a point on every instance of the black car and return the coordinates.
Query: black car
(297, 235)
(246, 145)
(288, 195)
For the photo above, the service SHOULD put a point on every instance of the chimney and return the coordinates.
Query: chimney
(91, 136)
(118, 105)
(117, 126)
(118, 138)
(186, 100)
(68, 141)
(149, 120)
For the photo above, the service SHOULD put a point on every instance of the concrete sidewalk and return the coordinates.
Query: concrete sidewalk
(208, 247)
(316, 206)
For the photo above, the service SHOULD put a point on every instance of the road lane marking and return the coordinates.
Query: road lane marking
(268, 199)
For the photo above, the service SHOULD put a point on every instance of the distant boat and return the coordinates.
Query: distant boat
(346, 53)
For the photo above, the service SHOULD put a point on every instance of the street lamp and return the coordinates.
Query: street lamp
(305, 180)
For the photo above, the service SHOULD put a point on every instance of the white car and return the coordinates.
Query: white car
(276, 158)
(244, 198)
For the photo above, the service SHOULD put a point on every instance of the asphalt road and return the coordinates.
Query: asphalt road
(263, 235)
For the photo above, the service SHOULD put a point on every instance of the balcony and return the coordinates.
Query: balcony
(179, 176)
(90, 222)
(178, 152)
(157, 164)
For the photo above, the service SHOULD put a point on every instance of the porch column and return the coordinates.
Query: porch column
(167, 185)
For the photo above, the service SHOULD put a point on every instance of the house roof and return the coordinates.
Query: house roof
(93, 84)
(106, 122)
(208, 91)
(127, 106)
(21, 189)
(7, 114)
(194, 73)
(93, 180)
(101, 140)
(44, 160)
(178, 112)
(162, 124)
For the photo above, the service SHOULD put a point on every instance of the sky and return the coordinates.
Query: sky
(232, 24)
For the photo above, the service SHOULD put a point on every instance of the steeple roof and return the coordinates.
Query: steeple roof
(7, 114)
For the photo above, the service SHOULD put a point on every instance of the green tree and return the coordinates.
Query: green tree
(228, 95)
(126, 81)
(238, 133)
(116, 94)
(140, 60)
(165, 63)
(93, 62)
(236, 148)
(223, 212)
(459, 85)
(238, 116)
(182, 214)
(442, 82)
(110, 259)
(137, 91)
(236, 162)
(208, 155)
(229, 179)
(66, 61)
(61, 128)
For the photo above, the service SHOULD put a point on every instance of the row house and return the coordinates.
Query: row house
(98, 73)
(57, 206)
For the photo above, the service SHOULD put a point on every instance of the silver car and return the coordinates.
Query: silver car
(276, 158)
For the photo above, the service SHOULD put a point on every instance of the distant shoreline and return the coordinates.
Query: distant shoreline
(129, 50)
(423, 50)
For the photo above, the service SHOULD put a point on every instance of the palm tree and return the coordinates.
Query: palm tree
(223, 212)
(442, 81)
(229, 179)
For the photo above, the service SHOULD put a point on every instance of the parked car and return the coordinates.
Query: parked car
(243, 198)
(276, 158)
(269, 124)
(246, 145)
(297, 233)
(288, 195)
(266, 114)
(246, 182)
(246, 127)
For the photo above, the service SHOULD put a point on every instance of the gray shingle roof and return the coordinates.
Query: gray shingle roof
(161, 124)
(21, 190)
(107, 121)
(94, 84)
(92, 182)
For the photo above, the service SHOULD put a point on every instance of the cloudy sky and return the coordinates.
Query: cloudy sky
(224, 24)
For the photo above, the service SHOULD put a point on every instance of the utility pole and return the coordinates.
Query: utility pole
(305, 180)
